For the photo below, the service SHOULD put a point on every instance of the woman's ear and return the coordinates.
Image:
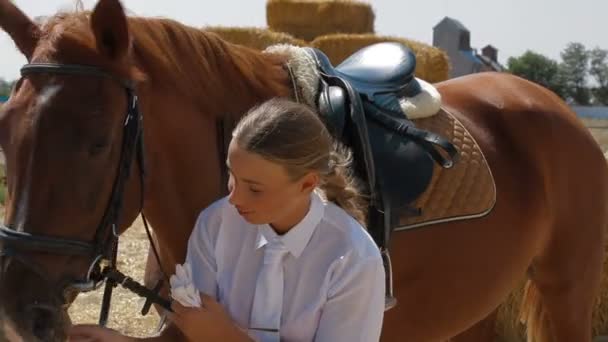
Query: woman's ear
(309, 182)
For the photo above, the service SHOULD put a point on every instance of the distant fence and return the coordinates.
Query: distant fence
(591, 112)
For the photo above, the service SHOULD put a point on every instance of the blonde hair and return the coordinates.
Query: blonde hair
(293, 135)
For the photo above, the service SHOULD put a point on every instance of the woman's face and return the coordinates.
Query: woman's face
(263, 192)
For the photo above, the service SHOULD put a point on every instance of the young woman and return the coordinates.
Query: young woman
(284, 257)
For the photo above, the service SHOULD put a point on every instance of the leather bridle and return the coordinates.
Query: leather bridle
(102, 250)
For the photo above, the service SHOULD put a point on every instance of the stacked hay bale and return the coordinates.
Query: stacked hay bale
(432, 64)
(336, 27)
(313, 18)
(254, 37)
(341, 27)
(509, 328)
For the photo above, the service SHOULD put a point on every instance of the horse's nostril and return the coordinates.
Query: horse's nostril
(42, 319)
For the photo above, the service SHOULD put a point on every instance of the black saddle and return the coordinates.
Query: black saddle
(383, 68)
(359, 99)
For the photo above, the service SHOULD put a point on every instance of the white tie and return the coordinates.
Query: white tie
(265, 319)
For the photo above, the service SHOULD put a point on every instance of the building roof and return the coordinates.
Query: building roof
(453, 22)
(591, 112)
(489, 62)
(470, 54)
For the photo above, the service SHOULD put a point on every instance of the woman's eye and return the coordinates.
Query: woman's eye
(255, 191)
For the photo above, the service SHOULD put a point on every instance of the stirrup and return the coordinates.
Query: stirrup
(389, 301)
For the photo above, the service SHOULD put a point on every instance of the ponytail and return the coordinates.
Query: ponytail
(341, 187)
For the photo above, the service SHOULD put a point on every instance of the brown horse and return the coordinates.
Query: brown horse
(62, 134)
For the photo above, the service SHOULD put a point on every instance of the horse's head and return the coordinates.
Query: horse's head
(63, 133)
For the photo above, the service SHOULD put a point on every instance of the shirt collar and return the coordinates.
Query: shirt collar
(297, 237)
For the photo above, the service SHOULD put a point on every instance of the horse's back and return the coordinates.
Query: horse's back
(526, 128)
(536, 142)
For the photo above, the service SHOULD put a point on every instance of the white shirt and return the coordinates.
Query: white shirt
(334, 278)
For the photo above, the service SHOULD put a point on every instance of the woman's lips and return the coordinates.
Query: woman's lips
(243, 211)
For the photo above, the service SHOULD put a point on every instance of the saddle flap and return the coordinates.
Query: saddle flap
(333, 107)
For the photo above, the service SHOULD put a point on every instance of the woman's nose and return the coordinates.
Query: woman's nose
(234, 197)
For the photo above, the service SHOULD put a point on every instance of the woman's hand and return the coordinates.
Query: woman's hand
(207, 323)
(95, 333)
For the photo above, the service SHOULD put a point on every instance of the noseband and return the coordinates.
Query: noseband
(102, 250)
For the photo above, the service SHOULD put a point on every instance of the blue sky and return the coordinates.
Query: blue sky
(512, 26)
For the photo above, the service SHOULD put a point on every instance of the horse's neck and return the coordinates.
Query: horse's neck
(184, 172)
(216, 76)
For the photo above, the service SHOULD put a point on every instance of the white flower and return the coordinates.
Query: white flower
(182, 287)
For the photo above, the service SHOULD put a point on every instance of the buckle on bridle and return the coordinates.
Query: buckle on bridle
(94, 278)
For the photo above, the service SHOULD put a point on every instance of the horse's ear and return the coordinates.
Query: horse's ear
(24, 32)
(109, 25)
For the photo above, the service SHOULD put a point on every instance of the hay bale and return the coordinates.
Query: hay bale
(509, 329)
(3, 183)
(309, 19)
(600, 311)
(254, 37)
(508, 326)
(432, 64)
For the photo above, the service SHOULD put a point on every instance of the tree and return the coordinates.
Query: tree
(5, 87)
(539, 69)
(598, 69)
(573, 69)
